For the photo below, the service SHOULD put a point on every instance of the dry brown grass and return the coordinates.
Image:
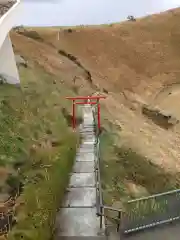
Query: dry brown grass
(133, 61)
(139, 56)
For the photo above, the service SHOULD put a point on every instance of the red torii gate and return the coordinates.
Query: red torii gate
(88, 101)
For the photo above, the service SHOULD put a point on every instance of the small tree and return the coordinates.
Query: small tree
(14, 183)
(131, 18)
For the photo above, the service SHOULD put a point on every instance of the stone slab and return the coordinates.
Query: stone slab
(84, 167)
(85, 156)
(80, 197)
(90, 138)
(77, 222)
(87, 143)
(86, 136)
(82, 180)
(82, 238)
(86, 150)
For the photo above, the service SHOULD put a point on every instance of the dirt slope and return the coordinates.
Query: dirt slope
(131, 62)
(133, 55)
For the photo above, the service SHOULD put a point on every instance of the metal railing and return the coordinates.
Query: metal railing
(151, 211)
(100, 207)
(139, 214)
(7, 217)
(99, 197)
(6, 222)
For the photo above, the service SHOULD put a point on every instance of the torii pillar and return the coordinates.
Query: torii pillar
(96, 101)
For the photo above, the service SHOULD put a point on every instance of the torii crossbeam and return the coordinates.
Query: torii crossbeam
(88, 99)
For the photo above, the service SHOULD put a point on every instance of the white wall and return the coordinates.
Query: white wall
(9, 20)
(8, 67)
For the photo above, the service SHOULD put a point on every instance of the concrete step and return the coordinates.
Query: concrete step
(82, 238)
(91, 126)
(77, 217)
(87, 144)
(85, 156)
(87, 130)
(80, 197)
(90, 139)
(84, 167)
(82, 180)
(112, 233)
(86, 150)
(81, 222)
(88, 135)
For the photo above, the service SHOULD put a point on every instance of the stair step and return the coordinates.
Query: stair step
(88, 141)
(84, 167)
(82, 180)
(77, 218)
(88, 148)
(80, 197)
(81, 238)
(86, 151)
(81, 222)
(85, 156)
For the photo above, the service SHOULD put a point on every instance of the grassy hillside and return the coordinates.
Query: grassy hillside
(130, 63)
(37, 148)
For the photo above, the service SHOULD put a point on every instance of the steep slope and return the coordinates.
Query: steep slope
(130, 63)
(37, 143)
(138, 56)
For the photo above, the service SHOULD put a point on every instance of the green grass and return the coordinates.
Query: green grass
(121, 164)
(41, 200)
(35, 137)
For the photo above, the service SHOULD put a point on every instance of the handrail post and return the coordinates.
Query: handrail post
(101, 216)
(119, 219)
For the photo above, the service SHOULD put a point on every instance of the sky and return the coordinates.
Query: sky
(77, 12)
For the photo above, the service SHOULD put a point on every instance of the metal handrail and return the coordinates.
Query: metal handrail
(119, 219)
(155, 196)
(100, 207)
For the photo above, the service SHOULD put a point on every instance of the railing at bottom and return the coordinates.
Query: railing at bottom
(7, 217)
(99, 197)
(100, 208)
(117, 219)
(151, 211)
(140, 213)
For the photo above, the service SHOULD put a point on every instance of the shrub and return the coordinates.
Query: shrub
(32, 34)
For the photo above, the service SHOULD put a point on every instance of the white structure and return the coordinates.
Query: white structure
(9, 12)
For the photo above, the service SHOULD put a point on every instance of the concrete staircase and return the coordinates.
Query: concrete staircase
(77, 218)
